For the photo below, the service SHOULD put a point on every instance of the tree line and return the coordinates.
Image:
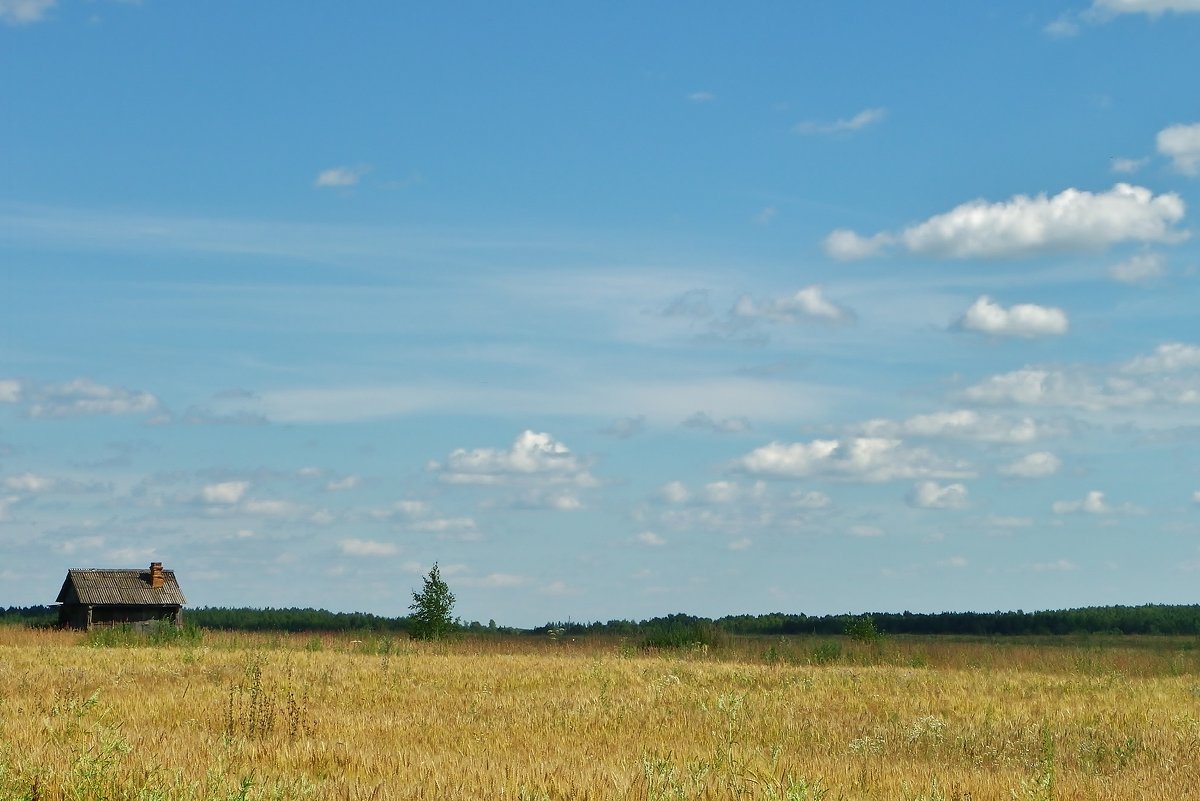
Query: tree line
(682, 629)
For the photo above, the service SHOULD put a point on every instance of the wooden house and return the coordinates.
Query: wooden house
(134, 597)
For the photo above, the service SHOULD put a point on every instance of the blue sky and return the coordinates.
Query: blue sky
(612, 310)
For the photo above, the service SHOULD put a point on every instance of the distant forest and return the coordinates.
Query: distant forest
(682, 629)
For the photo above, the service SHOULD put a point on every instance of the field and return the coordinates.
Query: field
(233, 716)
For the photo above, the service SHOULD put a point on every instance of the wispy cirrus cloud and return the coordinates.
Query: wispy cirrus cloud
(863, 119)
(83, 397)
(1072, 220)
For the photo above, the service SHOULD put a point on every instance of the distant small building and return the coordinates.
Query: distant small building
(92, 598)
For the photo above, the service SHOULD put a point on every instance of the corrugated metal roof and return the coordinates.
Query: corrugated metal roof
(120, 587)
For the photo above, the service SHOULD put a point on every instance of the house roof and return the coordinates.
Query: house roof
(88, 586)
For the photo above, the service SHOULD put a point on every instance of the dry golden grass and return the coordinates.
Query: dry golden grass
(303, 717)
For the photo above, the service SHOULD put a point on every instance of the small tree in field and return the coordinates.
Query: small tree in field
(431, 608)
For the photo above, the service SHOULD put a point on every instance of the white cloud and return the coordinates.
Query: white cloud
(10, 391)
(1128, 166)
(626, 427)
(83, 397)
(675, 492)
(846, 245)
(1138, 269)
(28, 482)
(964, 424)
(1181, 144)
(463, 529)
(1001, 521)
(810, 499)
(270, 508)
(1169, 357)
(702, 97)
(342, 484)
(410, 508)
(865, 531)
(1043, 387)
(495, 581)
(1033, 465)
(7, 503)
(954, 562)
(23, 12)
(1062, 28)
(740, 544)
(862, 119)
(650, 538)
(532, 456)
(719, 492)
(704, 422)
(340, 176)
(1093, 504)
(357, 547)
(858, 458)
(1022, 320)
(1058, 566)
(226, 492)
(931, 495)
(1151, 7)
(1072, 220)
(806, 303)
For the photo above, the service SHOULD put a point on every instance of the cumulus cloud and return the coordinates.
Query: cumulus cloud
(1169, 357)
(1138, 269)
(693, 304)
(1073, 220)
(340, 176)
(463, 529)
(702, 97)
(846, 245)
(651, 539)
(675, 492)
(1093, 504)
(83, 397)
(357, 547)
(810, 499)
(864, 118)
(1046, 387)
(808, 303)
(931, 495)
(10, 391)
(6, 503)
(858, 458)
(1033, 465)
(24, 12)
(740, 544)
(702, 421)
(962, 424)
(225, 492)
(533, 457)
(28, 482)
(1181, 144)
(1026, 320)
(343, 484)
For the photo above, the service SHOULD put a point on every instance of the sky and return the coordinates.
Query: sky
(612, 310)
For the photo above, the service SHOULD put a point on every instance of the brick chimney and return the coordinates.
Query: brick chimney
(156, 576)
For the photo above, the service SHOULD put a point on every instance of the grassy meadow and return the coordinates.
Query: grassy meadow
(237, 716)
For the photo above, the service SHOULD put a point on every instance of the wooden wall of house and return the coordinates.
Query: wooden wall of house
(76, 615)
